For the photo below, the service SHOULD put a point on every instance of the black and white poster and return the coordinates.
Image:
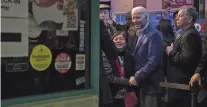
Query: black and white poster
(14, 37)
(54, 14)
(14, 8)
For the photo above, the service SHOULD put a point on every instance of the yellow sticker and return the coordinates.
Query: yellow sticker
(40, 58)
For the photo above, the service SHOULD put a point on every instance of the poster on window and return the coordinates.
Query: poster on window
(80, 62)
(55, 14)
(14, 37)
(177, 3)
(14, 8)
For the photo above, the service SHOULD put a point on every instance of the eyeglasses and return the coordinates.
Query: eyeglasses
(120, 38)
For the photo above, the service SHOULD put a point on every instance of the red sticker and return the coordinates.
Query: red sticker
(63, 62)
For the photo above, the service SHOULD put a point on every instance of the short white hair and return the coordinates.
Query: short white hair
(191, 12)
(141, 9)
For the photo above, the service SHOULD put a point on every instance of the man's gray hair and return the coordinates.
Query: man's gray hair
(191, 12)
(142, 10)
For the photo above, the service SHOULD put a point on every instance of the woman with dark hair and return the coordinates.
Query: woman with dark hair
(119, 72)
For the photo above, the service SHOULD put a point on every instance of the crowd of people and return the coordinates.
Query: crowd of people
(137, 56)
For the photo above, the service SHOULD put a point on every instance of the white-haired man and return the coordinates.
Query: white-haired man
(184, 55)
(148, 54)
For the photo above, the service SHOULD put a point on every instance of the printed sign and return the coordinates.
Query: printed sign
(14, 8)
(17, 64)
(177, 3)
(55, 14)
(63, 63)
(80, 62)
(14, 37)
(40, 58)
(81, 42)
(80, 80)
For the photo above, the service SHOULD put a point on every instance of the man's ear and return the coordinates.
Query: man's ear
(190, 19)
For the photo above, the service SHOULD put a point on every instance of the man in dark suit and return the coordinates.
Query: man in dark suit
(148, 54)
(183, 56)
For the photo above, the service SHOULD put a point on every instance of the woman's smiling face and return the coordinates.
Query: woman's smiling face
(119, 41)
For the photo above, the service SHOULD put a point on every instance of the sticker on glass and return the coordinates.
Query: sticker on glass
(63, 63)
(80, 62)
(40, 58)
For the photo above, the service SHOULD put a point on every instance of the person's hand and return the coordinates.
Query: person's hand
(169, 48)
(132, 81)
(110, 22)
(195, 78)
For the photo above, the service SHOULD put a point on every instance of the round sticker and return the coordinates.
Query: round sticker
(63, 63)
(40, 57)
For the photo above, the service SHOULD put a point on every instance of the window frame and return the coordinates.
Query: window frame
(121, 15)
(94, 75)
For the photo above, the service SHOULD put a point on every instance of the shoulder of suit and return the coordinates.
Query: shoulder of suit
(191, 31)
(153, 32)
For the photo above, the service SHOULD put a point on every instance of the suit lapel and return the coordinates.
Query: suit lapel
(142, 38)
(132, 42)
(178, 38)
(181, 34)
(139, 43)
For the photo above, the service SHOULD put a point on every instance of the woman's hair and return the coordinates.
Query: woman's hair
(175, 14)
(165, 27)
(120, 33)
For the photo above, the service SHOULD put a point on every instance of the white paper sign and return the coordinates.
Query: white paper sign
(80, 62)
(80, 80)
(14, 8)
(15, 49)
(59, 14)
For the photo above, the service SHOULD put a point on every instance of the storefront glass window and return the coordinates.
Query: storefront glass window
(45, 49)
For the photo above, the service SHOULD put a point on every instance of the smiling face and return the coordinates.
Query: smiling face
(120, 41)
(139, 19)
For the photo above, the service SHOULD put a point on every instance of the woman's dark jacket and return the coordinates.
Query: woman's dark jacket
(117, 83)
